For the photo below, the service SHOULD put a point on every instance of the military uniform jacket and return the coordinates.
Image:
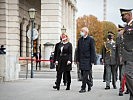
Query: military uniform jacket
(128, 42)
(110, 53)
(119, 46)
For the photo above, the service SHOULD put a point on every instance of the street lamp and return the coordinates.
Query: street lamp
(63, 29)
(32, 13)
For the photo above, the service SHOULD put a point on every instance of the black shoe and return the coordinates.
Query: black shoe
(68, 88)
(55, 83)
(55, 87)
(114, 87)
(107, 88)
(82, 91)
(120, 94)
(89, 89)
(79, 79)
(127, 92)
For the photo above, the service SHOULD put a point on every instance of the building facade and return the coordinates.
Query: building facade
(15, 22)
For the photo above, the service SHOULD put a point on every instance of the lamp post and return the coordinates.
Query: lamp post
(32, 13)
(63, 29)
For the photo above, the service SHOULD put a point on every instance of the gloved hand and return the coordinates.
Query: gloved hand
(56, 62)
(68, 62)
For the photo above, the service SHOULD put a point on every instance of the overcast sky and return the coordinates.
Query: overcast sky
(95, 7)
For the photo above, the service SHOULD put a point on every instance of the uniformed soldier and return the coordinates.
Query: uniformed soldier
(110, 60)
(119, 60)
(127, 50)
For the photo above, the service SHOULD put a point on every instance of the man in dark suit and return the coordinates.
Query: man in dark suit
(119, 59)
(2, 50)
(38, 58)
(52, 65)
(127, 51)
(86, 57)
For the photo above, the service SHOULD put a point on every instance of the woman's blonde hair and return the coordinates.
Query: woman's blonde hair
(65, 35)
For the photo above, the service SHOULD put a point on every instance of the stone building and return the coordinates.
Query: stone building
(15, 22)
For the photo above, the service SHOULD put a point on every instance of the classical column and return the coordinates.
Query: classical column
(66, 14)
(3, 31)
(63, 13)
(50, 24)
(70, 21)
(24, 36)
(74, 25)
(12, 38)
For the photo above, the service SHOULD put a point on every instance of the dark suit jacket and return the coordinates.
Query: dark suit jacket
(86, 53)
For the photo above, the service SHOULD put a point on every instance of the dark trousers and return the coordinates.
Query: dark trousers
(39, 65)
(64, 78)
(59, 77)
(79, 73)
(85, 80)
(111, 69)
(90, 78)
(129, 77)
(121, 75)
(104, 73)
(129, 82)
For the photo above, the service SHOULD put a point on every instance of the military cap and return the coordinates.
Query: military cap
(110, 33)
(125, 11)
(120, 26)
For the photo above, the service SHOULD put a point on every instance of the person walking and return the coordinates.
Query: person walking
(127, 51)
(102, 60)
(110, 61)
(57, 45)
(52, 65)
(119, 59)
(64, 61)
(86, 57)
(38, 59)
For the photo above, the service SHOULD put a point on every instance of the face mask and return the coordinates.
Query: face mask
(124, 19)
(82, 33)
(109, 37)
(63, 37)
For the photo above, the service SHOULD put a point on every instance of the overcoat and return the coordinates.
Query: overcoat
(86, 53)
(63, 55)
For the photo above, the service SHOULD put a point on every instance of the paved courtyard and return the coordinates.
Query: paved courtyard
(41, 89)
